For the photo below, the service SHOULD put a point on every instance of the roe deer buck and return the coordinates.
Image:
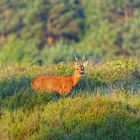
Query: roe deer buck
(59, 84)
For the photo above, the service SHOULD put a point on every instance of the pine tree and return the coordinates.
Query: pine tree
(44, 21)
(64, 19)
(11, 14)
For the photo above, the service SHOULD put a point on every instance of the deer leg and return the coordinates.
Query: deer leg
(38, 92)
(64, 94)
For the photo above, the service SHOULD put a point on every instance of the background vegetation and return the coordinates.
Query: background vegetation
(41, 37)
(48, 31)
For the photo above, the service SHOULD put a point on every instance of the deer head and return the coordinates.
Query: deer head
(80, 66)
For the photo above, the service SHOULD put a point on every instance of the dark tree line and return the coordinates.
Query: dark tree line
(99, 28)
(46, 20)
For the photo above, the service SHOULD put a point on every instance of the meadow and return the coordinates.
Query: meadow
(105, 105)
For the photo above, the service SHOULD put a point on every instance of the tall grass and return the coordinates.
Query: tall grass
(104, 105)
(81, 117)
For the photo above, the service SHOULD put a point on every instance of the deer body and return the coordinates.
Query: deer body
(60, 84)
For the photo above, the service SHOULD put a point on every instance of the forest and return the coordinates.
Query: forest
(46, 31)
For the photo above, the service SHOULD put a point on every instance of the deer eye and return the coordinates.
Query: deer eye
(77, 68)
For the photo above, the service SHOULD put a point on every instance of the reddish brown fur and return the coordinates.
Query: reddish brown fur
(60, 84)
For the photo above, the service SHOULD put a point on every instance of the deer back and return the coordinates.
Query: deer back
(60, 84)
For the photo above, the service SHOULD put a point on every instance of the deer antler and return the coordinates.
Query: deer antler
(83, 57)
(76, 59)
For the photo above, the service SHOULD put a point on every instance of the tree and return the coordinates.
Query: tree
(11, 15)
(63, 19)
(42, 20)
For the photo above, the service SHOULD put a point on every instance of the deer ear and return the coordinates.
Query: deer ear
(85, 63)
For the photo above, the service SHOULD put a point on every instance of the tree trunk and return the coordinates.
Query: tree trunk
(50, 39)
(126, 14)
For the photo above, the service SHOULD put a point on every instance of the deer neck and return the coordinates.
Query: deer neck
(75, 78)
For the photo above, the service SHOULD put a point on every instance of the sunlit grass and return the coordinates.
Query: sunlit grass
(101, 106)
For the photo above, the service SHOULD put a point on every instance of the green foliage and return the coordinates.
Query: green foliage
(66, 19)
(58, 53)
(115, 70)
(109, 30)
(18, 51)
(128, 36)
(11, 16)
(99, 44)
(36, 20)
(12, 51)
(103, 30)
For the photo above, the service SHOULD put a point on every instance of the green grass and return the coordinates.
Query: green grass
(80, 117)
(104, 105)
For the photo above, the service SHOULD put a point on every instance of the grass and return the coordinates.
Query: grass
(105, 104)
(81, 117)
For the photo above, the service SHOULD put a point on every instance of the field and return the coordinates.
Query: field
(105, 105)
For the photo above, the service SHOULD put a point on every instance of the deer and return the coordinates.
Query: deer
(62, 85)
